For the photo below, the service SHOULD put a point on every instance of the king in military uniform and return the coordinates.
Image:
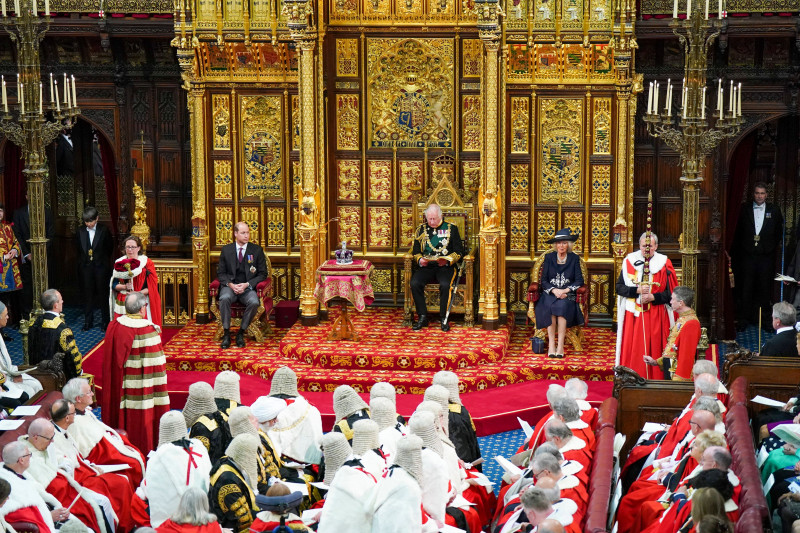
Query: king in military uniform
(50, 335)
(437, 248)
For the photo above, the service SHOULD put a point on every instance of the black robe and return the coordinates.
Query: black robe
(462, 434)
(50, 335)
(213, 432)
(230, 497)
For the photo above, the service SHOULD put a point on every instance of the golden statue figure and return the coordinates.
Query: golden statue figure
(310, 203)
(490, 210)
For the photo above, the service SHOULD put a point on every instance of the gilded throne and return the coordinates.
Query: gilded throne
(575, 333)
(457, 210)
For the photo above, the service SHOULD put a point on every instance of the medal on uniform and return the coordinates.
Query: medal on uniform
(91, 254)
(756, 238)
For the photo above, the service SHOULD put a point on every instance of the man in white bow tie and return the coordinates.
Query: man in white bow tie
(758, 236)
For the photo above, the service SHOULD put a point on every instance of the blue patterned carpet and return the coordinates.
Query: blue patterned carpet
(86, 340)
(505, 444)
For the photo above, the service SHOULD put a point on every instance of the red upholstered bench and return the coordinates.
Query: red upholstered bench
(257, 328)
(601, 479)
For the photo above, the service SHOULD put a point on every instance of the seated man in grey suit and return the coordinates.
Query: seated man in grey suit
(242, 266)
(784, 343)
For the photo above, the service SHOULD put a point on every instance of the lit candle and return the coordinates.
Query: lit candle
(719, 9)
(35, 10)
(5, 99)
(66, 89)
(740, 100)
(688, 9)
(650, 99)
(21, 99)
(730, 100)
(16, 7)
(666, 99)
(706, 9)
(52, 97)
(719, 98)
(58, 102)
(74, 99)
(703, 106)
(40, 98)
(47, 7)
(675, 9)
(4, 8)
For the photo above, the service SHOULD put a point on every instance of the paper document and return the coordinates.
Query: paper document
(784, 277)
(767, 401)
(9, 425)
(653, 427)
(107, 469)
(789, 433)
(508, 466)
(768, 484)
(526, 428)
(297, 487)
(26, 410)
(450, 529)
(762, 457)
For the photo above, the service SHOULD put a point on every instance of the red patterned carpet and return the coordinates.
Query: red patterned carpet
(391, 352)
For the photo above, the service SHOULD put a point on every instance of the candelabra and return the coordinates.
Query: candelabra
(689, 132)
(36, 123)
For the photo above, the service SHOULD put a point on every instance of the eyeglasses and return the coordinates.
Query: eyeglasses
(26, 455)
(47, 438)
(71, 413)
(131, 247)
(692, 422)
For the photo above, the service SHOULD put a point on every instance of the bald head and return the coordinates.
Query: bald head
(701, 421)
(550, 525)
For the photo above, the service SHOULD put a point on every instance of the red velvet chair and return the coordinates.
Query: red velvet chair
(575, 333)
(258, 327)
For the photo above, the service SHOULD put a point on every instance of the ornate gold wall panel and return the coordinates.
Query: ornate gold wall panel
(233, 61)
(401, 12)
(601, 224)
(545, 229)
(347, 57)
(407, 227)
(519, 184)
(471, 175)
(295, 123)
(518, 283)
(221, 115)
(223, 224)
(560, 149)
(222, 180)
(410, 93)
(250, 215)
(516, 14)
(380, 180)
(262, 141)
(472, 58)
(601, 185)
(276, 226)
(518, 231)
(381, 280)
(410, 176)
(550, 63)
(471, 122)
(348, 131)
(601, 132)
(599, 289)
(574, 221)
(348, 173)
(350, 225)
(380, 227)
(520, 124)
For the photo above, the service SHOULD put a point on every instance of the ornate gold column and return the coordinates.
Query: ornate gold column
(628, 85)
(309, 192)
(195, 103)
(488, 197)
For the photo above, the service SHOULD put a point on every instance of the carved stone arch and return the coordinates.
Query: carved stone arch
(753, 122)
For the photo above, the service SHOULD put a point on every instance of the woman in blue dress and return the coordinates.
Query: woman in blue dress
(557, 309)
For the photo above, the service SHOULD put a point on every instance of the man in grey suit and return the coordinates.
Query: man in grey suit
(242, 266)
